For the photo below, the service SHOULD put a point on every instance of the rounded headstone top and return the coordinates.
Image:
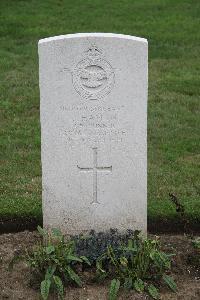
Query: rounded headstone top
(94, 34)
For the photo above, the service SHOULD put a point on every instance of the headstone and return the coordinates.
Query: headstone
(93, 90)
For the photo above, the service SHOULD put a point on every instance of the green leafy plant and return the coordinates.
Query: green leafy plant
(139, 265)
(193, 257)
(196, 243)
(55, 260)
(114, 287)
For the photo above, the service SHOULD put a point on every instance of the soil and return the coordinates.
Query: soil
(159, 225)
(17, 284)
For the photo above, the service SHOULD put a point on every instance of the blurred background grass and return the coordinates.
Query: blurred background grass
(172, 28)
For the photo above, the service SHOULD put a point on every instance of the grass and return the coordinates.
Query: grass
(172, 28)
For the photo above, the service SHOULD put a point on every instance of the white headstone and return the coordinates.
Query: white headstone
(93, 90)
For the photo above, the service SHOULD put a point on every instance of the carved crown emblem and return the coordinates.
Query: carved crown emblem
(93, 52)
(93, 76)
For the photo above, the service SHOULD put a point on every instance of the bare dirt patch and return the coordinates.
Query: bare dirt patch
(17, 284)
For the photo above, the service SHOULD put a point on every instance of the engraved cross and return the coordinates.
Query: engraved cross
(95, 170)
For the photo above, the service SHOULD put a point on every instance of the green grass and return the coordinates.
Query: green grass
(172, 28)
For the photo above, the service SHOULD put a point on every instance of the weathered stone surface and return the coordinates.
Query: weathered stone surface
(93, 90)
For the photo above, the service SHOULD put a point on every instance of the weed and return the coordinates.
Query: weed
(194, 256)
(180, 209)
(138, 264)
(54, 260)
(196, 243)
